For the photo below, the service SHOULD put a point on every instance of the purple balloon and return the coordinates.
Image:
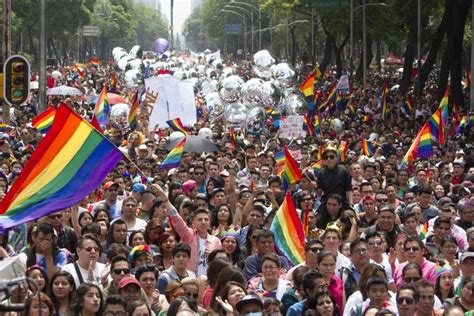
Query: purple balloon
(161, 45)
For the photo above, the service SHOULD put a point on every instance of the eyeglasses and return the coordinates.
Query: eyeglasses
(124, 270)
(412, 249)
(382, 200)
(192, 295)
(360, 250)
(411, 280)
(329, 157)
(375, 243)
(316, 249)
(405, 299)
(89, 249)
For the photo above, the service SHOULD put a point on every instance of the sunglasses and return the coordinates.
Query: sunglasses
(411, 280)
(405, 299)
(89, 249)
(412, 249)
(124, 270)
(192, 295)
(316, 249)
(329, 157)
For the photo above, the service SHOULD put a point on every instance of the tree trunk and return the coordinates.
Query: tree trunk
(409, 58)
(293, 46)
(378, 54)
(55, 51)
(370, 55)
(443, 73)
(338, 51)
(457, 13)
(431, 58)
(328, 50)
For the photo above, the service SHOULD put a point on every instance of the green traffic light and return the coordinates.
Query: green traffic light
(17, 93)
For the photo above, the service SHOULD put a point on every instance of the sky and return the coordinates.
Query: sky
(182, 9)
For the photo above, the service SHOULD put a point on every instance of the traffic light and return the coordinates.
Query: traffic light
(16, 74)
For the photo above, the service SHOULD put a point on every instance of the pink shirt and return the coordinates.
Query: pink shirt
(427, 268)
(335, 288)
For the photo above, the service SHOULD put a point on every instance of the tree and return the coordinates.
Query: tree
(150, 26)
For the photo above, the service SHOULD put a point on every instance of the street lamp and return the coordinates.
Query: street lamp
(245, 27)
(364, 35)
(246, 11)
(257, 10)
(288, 31)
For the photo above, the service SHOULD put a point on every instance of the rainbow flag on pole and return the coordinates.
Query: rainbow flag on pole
(316, 125)
(113, 84)
(424, 230)
(308, 125)
(44, 121)
(421, 145)
(174, 157)
(439, 119)
(288, 230)
(330, 99)
(307, 87)
(368, 147)
(385, 109)
(101, 110)
(133, 114)
(407, 107)
(291, 172)
(95, 62)
(177, 126)
(280, 162)
(342, 151)
(69, 163)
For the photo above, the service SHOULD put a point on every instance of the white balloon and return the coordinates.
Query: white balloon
(206, 133)
(235, 114)
(136, 52)
(131, 78)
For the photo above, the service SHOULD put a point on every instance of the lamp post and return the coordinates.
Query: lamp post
(288, 31)
(228, 6)
(245, 27)
(364, 35)
(259, 13)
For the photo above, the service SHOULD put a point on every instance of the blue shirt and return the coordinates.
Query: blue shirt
(296, 309)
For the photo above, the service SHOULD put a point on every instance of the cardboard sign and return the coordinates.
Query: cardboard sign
(292, 126)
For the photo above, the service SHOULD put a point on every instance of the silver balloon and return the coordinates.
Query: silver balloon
(119, 112)
(123, 62)
(136, 52)
(252, 90)
(337, 125)
(118, 53)
(214, 105)
(271, 95)
(227, 72)
(231, 88)
(255, 121)
(131, 78)
(235, 114)
(262, 61)
(284, 74)
(294, 104)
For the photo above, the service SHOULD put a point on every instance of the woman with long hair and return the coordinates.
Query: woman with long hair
(39, 305)
(323, 304)
(327, 267)
(88, 300)
(231, 246)
(166, 243)
(444, 288)
(232, 293)
(449, 249)
(221, 217)
(38, 274)
(213, 272)
(61, 289)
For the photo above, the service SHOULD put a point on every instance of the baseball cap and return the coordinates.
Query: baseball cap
(247, 300)
(127, 281)
(138, 187)
(108, 184)
(467, 255)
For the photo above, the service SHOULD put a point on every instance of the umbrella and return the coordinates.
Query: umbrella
(63, 90)
(194, 143)
(112, 97)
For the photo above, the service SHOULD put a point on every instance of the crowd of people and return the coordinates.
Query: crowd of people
(382, 239)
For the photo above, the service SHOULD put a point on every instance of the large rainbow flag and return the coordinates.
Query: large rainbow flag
(288, 230)
(69, 163)
(44, 121)
(307, 87)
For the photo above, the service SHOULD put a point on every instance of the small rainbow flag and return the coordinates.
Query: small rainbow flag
(456, 116)
(317, 166)
(439, 119)
(101, 110)
(292, 170)
(307, 87)
(233, 139)
(385, 109)
(95, 62)
(70, 162)
(3, 127)
(330, 99)
(424, 230)
(133, 114)
(280, 162)
(289, 232)
(368, 147)
(79, 72)
(408, 107)
(174, 157)
(113, 84)
(352, 108)
(316, 125)
(177, 126)
(307, 125)
(342, 151)
(420, 147)
(44, 121)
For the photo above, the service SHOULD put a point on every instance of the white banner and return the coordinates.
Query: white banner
(168, 98)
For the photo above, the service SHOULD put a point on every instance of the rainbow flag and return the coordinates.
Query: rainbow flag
(70, 162)
(341, 101)
(424, 230)
(330, 99)
(342, 151)
(407, 107)
(316, 125)
(439, 119)
(385, 109)
(233, 139)
(280, 162)
(79, 72)
(307, 87)
(317, 166)
(456, 115)
(307, 125)
(352, 109)
(133, 114)
(174, 157)
(95, 62)
(368, 147)
(101, 110)
(44, 121)
(3, 127)
(177, 126)
(292, 170)
(288, 230)
(421, 145)
(113, 84)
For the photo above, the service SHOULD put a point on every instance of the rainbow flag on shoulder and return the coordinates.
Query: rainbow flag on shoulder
(289, 232)
(44, 121)
(70, 162)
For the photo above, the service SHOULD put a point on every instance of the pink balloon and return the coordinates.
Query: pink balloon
(161, 45)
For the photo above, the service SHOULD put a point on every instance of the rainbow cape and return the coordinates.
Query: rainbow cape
(70, 162)
(368, 147)
(44, 121)
(174, 157)
(288, 230)
(102, 109)
(439, 119)
(385, 109)
(177, 126)
(113, 84)
(133, 114)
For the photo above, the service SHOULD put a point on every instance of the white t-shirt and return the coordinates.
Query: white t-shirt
(202, 258)
(72, 270)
